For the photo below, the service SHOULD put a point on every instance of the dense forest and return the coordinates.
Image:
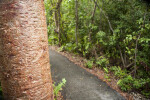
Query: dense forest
(111, 34)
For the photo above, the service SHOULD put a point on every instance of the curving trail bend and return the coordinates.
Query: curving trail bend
(80, 85)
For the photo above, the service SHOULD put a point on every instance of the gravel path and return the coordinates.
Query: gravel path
(80, 85)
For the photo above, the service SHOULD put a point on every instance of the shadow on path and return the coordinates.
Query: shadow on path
(80, 85)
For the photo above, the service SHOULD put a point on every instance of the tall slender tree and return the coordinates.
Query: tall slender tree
(24, 56)
(92, 19)
(76, 17)
(57, 17)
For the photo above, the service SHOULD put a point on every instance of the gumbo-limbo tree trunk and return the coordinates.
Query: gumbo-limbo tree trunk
(24, 56)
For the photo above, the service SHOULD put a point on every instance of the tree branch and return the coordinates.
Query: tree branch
(136, 47)
(110, 26)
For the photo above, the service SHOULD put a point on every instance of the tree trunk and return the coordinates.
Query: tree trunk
(24, 56)
(92, 20)
(57, 18)
(59, 26)
(76, 31)
(57, 30)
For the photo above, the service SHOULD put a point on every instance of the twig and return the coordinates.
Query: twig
(129, 65)
(122, 57)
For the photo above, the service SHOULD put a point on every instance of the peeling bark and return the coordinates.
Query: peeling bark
(24, 56)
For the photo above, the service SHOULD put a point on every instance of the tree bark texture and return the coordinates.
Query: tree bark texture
(24, 56)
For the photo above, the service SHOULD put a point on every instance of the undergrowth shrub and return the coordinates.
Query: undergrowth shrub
(59, 87)
(118, 72)
(89, 64)
(126, 83)
(102, 61)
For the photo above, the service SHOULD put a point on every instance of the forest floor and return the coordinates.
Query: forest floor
(82, 83)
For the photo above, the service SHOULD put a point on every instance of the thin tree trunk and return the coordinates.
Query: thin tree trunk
(57, 18)
(76, 17)
(121, 56)
(59, 26)
(136, 47)
(57, 30)
(24, 56)
(92, 19)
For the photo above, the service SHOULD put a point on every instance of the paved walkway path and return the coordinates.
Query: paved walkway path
(80, 85)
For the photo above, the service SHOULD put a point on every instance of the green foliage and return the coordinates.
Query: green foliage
(126, 83)
(118, 30)
(70, 46)
(89, 64)
(102, 61)
(59, 87)
(146, 93)
(118, 72)
(52, 39)
(106, 70)
(101, 37)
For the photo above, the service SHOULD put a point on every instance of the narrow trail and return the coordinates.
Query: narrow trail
(80, 85)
